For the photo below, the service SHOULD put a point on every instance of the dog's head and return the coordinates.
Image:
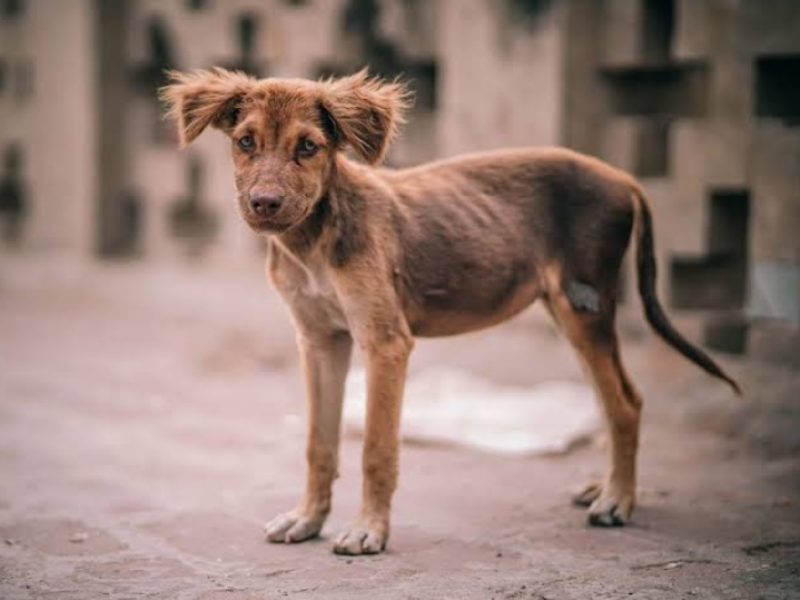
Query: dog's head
(285, 133)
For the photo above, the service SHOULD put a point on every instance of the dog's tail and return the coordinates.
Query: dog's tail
(656, 317)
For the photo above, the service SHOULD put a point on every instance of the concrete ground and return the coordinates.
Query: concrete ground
(151, 420)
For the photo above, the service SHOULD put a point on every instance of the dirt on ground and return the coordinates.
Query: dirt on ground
(152, 420)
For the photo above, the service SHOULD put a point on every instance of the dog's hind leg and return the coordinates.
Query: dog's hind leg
(590, 330)
(326, 360)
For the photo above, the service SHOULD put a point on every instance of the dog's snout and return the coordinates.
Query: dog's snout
(265, 205)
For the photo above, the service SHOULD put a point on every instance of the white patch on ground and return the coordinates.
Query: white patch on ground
(453, 407)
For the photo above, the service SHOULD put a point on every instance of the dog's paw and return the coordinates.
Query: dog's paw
(611, 509)
(587, 494)
(362, 538)
(293, 526)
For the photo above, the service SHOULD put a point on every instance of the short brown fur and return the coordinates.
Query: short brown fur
(379, 256)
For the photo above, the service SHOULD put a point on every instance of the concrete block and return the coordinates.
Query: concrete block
(776, 192)
(691, 40)
(775, 291)
(769, 26)
(498, 87)
(618, 142)
(622, 25)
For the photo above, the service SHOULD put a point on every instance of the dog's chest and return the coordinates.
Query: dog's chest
(307, 288)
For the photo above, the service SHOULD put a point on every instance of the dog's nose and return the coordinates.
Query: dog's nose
(265, 205)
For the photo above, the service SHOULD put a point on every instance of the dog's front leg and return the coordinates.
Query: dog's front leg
(387, 360)
(326, 361)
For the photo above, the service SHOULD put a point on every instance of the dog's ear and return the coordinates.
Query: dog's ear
(365, 113)
(202, 98)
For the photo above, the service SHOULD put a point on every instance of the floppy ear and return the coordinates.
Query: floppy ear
(202, 98)
(365, 113)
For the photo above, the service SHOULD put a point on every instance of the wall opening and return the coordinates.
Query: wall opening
(192, 221)
(361, 24)
(726, 333)
(247, 35)
(14, 198)
(778, 88)
(526, 13)
(247, 29)
(114, 213)
(679, 90)
(11, 9)
(148, 76)
(658, 27)
(652, 148)
(718, 280)
(730, 212)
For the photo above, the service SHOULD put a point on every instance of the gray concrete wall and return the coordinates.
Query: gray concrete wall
(673, 92)
(501, 83)
(773, 30)
(725, 152)
(54, 121)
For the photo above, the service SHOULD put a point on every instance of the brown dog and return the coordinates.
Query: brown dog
(380, 256)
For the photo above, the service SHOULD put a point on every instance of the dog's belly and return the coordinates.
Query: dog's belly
(455, 311)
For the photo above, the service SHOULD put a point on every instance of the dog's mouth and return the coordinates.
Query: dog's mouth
(278, 223)
(267, 225)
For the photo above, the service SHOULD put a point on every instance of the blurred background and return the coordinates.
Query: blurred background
(700, 99)
(151, 398)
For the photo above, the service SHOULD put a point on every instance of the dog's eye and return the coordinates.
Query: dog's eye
(307, 147)
(246, 142)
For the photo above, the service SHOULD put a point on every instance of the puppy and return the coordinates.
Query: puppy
(379, 256)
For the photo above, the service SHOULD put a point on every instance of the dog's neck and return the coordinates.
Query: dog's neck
(335, 215)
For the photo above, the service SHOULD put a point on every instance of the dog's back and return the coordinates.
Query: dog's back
(479, 234)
